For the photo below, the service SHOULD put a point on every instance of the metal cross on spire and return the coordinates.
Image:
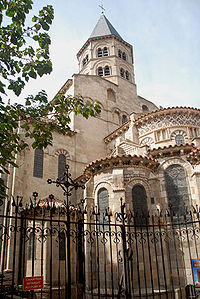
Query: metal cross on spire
(102, 8)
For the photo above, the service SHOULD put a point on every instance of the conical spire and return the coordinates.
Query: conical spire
(104, 27)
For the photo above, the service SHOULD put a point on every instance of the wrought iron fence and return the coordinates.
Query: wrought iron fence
(52, 249)
(77, 256)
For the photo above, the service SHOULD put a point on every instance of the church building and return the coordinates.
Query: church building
(147, 156)
(131, 145)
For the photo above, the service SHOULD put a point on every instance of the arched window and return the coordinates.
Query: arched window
(116, 117)
(99, 52)
(124, 118)
(38, 163)
(100, 71)
(122, 72)
(105, 51)
(177, 190)
(103, 205)
(111, 95)
(124, 55)
(145, 108)
(127, 75)
(179, 139)
(140, 208)
(61, 165)
(84, 62)
(107, 71)
(120, 53)
(62, 246)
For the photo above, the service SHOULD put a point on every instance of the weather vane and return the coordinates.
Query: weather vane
(102, 8)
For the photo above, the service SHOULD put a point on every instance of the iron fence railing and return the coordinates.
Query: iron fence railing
(74, 255)
(52, 249)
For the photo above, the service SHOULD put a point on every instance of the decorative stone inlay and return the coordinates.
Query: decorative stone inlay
(168, 118)
(127, 148)
(179, 136)
(63, 152)
(128, 177)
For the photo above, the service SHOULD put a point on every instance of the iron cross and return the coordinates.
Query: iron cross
(103, 9)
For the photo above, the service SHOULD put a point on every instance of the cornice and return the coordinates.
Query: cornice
(170, 151)
(194, 156)
(117, 132)
(120, 161)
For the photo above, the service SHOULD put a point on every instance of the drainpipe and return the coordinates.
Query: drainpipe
(9, 247)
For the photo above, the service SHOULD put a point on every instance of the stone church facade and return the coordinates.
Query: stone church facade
(133, 150)
(128, 128)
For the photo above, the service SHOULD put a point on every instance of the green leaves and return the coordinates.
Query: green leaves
(32, 74)
(15, 56)
(24, 54)
(37, 120)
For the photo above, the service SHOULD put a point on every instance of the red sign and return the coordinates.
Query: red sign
(196, 263)
(33, 283)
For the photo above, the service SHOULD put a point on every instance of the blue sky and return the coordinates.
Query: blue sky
(165, 35)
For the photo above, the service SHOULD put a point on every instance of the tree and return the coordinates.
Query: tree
(24, 54)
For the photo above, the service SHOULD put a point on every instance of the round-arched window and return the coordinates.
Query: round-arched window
(124, 118)
(145, 108)
(122, 72)
(107, 71)
(177, 190)
(100, 71)
(127, 75)
(105, 51)
(61, 165)
(179, 139)
(84, 62)
(140, 208)
(124, 55)
(99, 52)
(111, 95)
(102, 197)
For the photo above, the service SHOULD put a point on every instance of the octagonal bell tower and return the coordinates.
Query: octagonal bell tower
(107, 55)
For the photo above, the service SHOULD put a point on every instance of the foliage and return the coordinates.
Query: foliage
(24, 54)
(24, 51)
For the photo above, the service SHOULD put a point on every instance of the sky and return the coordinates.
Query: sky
(165, 35)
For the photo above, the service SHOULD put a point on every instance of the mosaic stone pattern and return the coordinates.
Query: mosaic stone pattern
(168, 121)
